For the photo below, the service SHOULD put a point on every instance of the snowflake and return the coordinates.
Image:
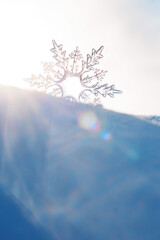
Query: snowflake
(86, 88)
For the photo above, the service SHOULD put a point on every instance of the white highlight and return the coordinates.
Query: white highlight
(129, 30)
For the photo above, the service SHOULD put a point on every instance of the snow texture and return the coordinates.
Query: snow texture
(77, 171)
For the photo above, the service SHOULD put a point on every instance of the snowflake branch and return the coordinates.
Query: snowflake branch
(104, 90)
(40, 81)
(59, 55)
(93, 59)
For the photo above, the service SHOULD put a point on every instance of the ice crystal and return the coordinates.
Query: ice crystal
(57, 75)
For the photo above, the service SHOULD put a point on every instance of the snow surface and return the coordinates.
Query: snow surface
(76, 171)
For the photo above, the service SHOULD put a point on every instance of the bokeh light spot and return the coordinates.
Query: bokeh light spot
(107, 136)
(89, 121)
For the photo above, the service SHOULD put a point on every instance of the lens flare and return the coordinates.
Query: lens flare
(89, 121)
(107, 136)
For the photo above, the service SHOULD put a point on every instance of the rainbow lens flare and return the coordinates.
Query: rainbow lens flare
(88, 120)
(107, 136)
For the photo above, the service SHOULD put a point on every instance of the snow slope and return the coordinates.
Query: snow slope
(77, 171)
(13, 225)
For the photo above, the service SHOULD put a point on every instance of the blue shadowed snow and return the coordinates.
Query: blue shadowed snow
(77, 171)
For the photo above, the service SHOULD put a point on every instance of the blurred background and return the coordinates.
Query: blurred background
(129, 31)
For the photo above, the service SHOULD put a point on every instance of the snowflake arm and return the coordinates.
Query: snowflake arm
(92, 59)
(59, 55)
(104, 90)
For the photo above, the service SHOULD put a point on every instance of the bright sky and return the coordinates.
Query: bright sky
(129, 31)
